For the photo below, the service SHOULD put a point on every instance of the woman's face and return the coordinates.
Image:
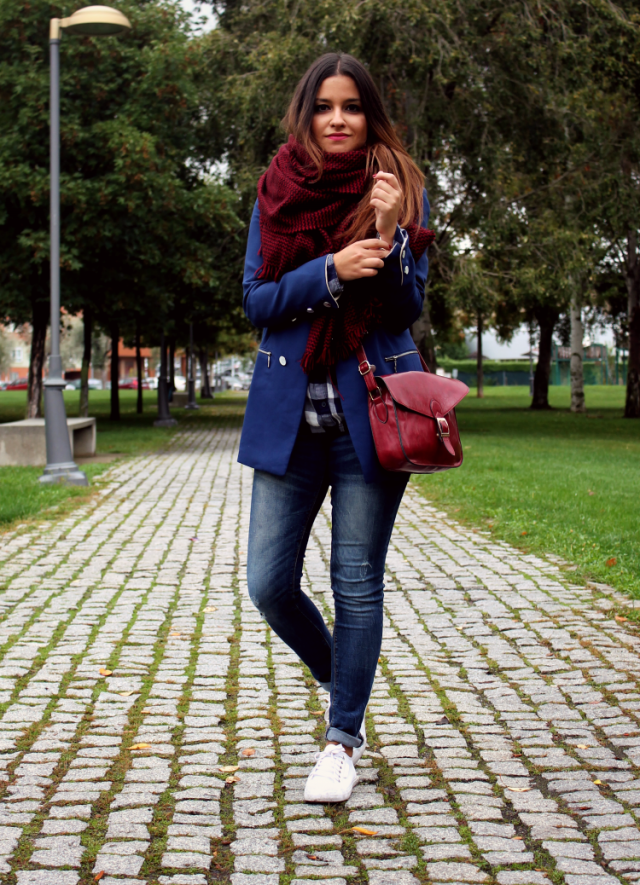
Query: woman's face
(339, 123)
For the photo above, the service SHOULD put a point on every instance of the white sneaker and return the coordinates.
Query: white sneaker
(333, 777)
(357, 751)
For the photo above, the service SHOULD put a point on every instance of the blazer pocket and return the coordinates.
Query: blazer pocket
(267, 353)
(396, 356)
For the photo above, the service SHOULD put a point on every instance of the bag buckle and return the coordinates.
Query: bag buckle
(365, 367)
(443, 428)
(375, 394)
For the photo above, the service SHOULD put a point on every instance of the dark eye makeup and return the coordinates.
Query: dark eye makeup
(322, 108)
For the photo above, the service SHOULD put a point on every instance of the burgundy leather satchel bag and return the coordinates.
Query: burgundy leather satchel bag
(412, 417)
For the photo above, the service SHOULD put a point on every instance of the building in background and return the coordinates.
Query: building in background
(16, 350)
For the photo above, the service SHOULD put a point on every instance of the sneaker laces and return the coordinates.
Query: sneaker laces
(331, 759)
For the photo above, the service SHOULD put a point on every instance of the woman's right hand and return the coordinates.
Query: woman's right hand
(361, 259)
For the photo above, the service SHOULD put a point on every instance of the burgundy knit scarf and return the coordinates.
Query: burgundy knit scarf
(302, 218)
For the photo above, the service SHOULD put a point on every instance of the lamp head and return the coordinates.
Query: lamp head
(96, 21)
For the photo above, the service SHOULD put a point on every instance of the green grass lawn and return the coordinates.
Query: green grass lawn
(551, 481)
(22, 496)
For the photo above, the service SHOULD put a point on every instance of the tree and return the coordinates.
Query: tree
(139, 213)
(494, 102)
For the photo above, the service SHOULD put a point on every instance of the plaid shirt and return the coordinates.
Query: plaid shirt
(322, 406)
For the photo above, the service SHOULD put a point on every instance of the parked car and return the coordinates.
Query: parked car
(94, 384)
(21, 384)
(132, 384)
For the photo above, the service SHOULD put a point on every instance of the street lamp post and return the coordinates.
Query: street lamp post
(92, 21)
(164, 415)
(191, 381)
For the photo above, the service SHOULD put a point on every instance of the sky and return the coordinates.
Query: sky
(202, 10)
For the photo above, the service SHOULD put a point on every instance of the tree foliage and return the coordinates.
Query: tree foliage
(523, 117)
(145, 231)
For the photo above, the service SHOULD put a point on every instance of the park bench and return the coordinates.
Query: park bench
(23, 443)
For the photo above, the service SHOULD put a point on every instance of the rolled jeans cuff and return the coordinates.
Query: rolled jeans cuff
(341, 737)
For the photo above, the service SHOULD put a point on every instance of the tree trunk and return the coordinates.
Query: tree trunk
(139, 369)
(547, 318)
(172, 366)
(577, 379)
(87, 321)
(203, 359)
(39, 316)
(115, 373)
(632, 405)
(479, 366)
(422, 334)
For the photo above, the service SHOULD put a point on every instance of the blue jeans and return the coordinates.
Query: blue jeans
(283, 509)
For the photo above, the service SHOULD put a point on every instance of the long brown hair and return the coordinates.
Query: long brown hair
(385, 151)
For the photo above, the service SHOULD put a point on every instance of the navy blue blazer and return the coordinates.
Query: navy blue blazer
(285, 310)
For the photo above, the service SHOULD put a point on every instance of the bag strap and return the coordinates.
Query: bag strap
(366, 369)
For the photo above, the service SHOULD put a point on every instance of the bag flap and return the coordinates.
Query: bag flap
(417, 390)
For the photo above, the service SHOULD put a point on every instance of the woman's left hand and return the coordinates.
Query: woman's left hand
(386, 198)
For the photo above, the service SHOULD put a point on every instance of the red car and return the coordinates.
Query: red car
(131, 384)
(17, 385)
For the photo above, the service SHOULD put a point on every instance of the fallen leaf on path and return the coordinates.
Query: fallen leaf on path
(228, 768)
(317, 713)
(611, 561)
(524, 533)
(210, 608)
(139, 746)
(597, 782)
(145, 711)
(249, 752)
(620, 618)
(364, 831)
(517, 838)
(175, 634)
(232, 779)
(98, 876)
(104, 672)
(583, 746)
(312, 856)
(519, 789)
(125, 694)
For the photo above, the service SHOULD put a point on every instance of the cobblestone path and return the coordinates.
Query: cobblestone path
(154, 730)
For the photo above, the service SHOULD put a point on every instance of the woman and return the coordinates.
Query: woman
(336, 258)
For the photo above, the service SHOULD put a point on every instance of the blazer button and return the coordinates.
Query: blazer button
(309, 310)
(282, 360)
(327, 304)
(406, 270)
